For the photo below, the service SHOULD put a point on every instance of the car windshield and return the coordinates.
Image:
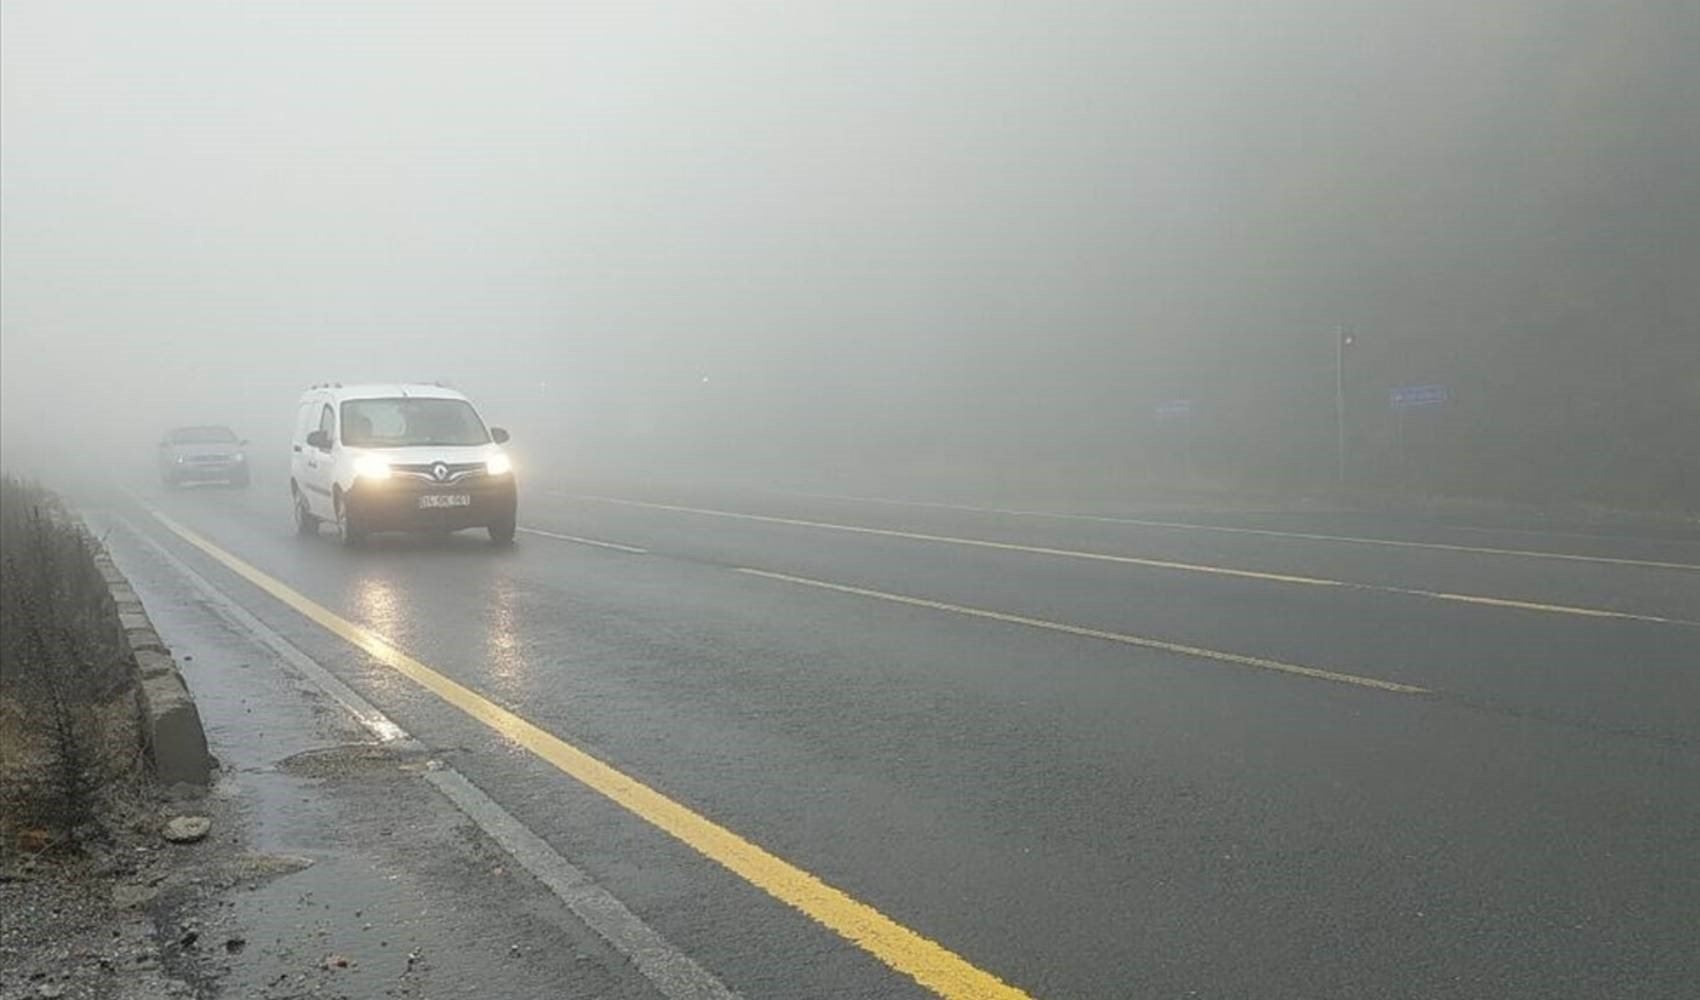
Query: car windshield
(411, 421)
(202, 435)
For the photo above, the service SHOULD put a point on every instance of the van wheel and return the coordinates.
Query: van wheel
(348, 531)
(502, 533)
(305, 522)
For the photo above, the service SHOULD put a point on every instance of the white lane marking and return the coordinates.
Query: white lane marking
(1308, 581)
(1268, 532)
(975, 542)
(1178, 649)
(616, 546)
(670, 970)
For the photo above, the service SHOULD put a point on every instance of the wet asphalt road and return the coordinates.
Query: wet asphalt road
(1077, 815)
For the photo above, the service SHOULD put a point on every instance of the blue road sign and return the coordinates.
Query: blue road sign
(1174, 409)
(1405, 397)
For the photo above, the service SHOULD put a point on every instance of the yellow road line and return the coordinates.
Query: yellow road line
(1179, 649)
(1270, 532)
(922, 959)
(1310, 581)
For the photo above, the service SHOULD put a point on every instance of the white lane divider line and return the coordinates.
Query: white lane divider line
(1397, 543)
(579, 540)
(1162, 564)
(1178, 649)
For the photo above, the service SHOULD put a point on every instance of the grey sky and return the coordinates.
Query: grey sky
(885, 214)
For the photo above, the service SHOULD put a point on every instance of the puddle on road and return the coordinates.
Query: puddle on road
(351, 760)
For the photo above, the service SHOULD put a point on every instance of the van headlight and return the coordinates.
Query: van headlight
(371, 467)
(499, 464)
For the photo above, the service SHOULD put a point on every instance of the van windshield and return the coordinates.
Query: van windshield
(408, 421)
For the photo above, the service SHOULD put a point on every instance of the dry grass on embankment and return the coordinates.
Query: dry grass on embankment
(70, 728)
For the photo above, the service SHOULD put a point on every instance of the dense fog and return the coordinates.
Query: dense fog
(918, 247)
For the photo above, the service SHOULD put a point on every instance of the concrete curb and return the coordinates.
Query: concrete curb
(172, 735)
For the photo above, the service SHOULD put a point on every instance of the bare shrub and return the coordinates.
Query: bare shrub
(63, 663)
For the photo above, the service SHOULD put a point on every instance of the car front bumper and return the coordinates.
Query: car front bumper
(207, 472)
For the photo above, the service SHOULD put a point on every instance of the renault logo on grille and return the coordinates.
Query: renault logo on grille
(440, 472)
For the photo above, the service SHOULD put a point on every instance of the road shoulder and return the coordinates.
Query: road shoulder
(336, 868)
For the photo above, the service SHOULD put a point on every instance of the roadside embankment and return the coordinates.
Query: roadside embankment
(92, 708)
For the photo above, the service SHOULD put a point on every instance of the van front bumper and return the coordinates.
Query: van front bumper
(399, 504)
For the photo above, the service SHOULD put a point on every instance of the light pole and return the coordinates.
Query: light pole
(1342, 340)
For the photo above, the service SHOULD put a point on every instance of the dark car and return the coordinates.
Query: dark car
(207, 454)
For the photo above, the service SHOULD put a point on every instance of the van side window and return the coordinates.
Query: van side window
(303, 421)
(327, 422)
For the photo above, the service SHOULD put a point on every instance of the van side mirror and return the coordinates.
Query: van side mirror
(499, 435)
(319, 440)
(242, 443)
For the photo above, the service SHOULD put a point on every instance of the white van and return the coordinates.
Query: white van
(403, 457)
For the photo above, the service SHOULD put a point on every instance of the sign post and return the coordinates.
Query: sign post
(1411, 397)
(1340, 407)
(1179, 412)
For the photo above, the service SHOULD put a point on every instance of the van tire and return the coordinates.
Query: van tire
(502, 532)
(305, 521)
(348, 530)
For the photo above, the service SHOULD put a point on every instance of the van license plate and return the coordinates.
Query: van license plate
(446, 500)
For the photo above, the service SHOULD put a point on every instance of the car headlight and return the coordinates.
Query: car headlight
(499, 464)
(371, 467)
(239, 457)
